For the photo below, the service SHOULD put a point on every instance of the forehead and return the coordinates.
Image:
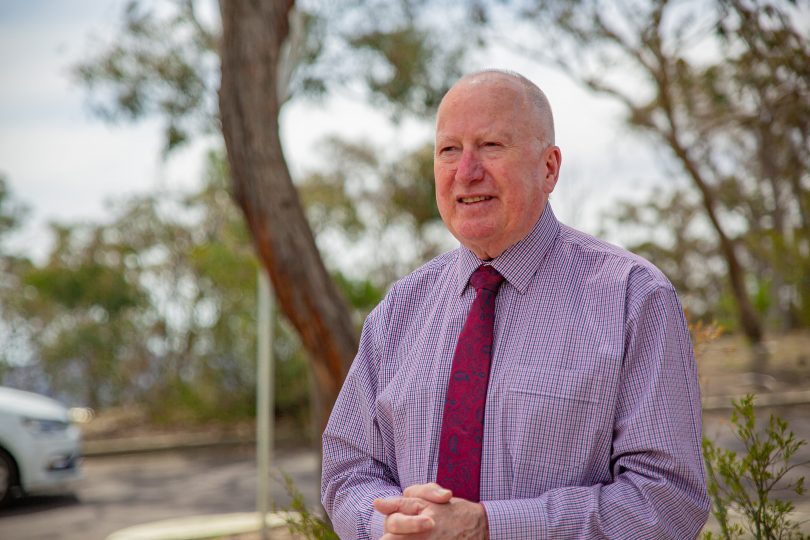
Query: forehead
(490, 103)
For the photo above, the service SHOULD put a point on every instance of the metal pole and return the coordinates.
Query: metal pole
(264, 398)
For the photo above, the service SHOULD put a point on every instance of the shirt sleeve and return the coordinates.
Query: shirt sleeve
(658, 488)
(356, 469)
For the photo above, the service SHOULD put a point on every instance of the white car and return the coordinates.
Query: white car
(40, 445)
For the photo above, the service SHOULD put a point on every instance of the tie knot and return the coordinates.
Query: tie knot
(486, 277)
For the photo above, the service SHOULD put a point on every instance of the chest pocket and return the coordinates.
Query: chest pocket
(558, 430)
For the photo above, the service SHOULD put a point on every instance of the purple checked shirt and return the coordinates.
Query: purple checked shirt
(592, 423)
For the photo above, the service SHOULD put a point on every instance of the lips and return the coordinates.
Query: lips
(474, 199)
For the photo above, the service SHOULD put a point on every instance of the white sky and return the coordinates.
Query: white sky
(66, 164)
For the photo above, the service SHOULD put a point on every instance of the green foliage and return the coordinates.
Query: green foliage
(86, 286)
(417, 76)
(389, 206)
(292, 380)
(411, 194)
(12, 266)
(11, 211)
(747, 483)
(157, 307)
(723, 88)
(164, 64)
(303, 521)
(164, 61)
(362, 294)
(737, 119)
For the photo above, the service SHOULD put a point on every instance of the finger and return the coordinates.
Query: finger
(404, 505)
(397, 523)
(430, 492)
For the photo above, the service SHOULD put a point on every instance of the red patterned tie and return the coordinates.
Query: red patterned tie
(463, 423)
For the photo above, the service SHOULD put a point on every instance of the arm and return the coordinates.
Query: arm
(658, 489)
(356, 468)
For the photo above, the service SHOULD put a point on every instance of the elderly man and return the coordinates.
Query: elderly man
(533, 383)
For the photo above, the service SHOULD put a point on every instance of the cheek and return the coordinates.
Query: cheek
(532, 184)
(442, 183)
(522, 196)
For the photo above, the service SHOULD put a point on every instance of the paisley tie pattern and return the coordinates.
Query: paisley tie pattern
(463, 423)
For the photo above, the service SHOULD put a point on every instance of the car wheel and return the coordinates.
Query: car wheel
(8, 477)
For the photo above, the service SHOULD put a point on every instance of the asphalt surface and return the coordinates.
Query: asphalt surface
(125, 490)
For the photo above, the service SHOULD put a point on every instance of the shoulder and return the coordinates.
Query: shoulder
(414, 288)
(639, 289)
(425, 280)
(408, 300)
(609, 263)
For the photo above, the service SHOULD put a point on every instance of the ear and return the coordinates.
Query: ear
(553, 161)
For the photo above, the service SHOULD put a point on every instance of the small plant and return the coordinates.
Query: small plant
(702, 333)
(301, 521)
(746, 484)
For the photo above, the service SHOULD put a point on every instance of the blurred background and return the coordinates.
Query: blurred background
(128, 267)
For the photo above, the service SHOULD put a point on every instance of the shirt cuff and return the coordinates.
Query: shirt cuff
(514, 520)
(376, 525)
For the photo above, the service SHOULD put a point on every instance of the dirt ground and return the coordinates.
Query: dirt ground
(726, 366)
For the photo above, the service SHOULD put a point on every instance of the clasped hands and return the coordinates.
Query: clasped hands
(430, 512)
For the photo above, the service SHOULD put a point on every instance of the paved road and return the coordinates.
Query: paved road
(118, 492)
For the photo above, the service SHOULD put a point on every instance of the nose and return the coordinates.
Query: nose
(470, 167)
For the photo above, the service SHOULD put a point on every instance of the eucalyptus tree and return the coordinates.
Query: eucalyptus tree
(723, 89)
(172, 64)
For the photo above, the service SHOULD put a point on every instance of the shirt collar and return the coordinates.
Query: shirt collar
(520, 261)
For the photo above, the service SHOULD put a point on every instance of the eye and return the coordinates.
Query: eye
(447, 149)
(491, 144)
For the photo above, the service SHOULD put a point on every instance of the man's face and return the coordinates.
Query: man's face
(493, 174)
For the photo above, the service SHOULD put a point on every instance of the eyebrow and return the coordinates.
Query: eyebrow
(488, 134)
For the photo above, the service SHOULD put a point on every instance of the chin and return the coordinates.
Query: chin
(480, 243)
(476, 233)
(484, 249)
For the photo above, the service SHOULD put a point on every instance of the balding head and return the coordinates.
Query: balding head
(534, 99)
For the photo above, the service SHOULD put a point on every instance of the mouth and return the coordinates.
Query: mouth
(475, 199)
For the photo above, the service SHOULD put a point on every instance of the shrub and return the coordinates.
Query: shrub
(746, 483)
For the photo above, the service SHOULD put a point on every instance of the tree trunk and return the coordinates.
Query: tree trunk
(749, 319)
(670, 134)
(253, 34)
